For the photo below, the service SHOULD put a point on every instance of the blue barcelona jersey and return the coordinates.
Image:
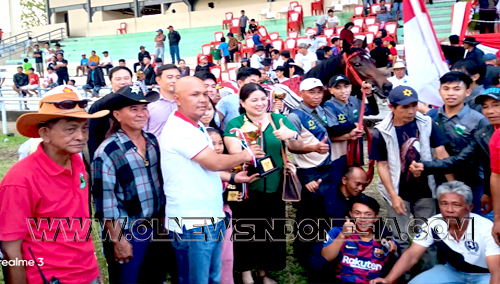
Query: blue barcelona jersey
(358, 261)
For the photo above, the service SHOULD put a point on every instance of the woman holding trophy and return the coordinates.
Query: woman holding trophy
(263, 197)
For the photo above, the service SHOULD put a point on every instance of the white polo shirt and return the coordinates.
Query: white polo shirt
(405, 81)
(467, 255)
(307, 60)
(191, 190)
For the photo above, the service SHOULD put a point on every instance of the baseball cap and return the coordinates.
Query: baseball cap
(310, 32)
(310, 83)
(303, 45)
(338, 78)
(159, 30)
(93, 63)
(387, 38)
(489, 56)
(280, 68)
(142, 46)
(260, 48)
(399, 64)
(493, 93)
(403, 96)
(203, 57)
(230, 34)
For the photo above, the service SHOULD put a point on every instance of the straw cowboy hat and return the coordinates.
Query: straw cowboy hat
(65, 104)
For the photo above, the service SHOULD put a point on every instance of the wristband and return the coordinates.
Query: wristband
(231, 180)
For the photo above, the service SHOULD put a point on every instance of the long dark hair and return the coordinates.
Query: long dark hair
(212, 123)
(246, 91)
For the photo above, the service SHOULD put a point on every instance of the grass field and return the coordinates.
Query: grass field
(293, 273)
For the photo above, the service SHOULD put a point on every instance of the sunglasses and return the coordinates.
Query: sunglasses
(68, 104)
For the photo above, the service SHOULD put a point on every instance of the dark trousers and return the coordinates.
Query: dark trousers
(311, 208)
(149, 262)
(487, 16)
(231, 55)
(135, 66)
(249, 254)
(242, 32)
(107, 68)
(62, 79)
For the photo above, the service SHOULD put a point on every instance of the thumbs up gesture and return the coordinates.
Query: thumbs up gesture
(313, 185)
(348, 228)
(322, 147)
(284, 133)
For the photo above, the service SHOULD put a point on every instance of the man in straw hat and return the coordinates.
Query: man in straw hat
(50, 183)
(127, 190)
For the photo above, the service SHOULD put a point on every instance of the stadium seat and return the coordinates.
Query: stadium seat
(235, 26)
(217, 71)
(231, 72)
(278, 44)
(122, 29)
(294, 4)
(217, 37)
(227, 21)
(274, 36)
(264, 35)
(359, 10)
(293, 34)
(248, 48)
(329, 32)
(317, 7)
(370, 20)
(290, 45)
(392, 30)
(294, 22)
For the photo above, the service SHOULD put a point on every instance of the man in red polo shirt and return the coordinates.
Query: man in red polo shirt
(50, 183)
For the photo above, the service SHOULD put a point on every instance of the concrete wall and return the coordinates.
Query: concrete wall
(106, 23)
(62, 3)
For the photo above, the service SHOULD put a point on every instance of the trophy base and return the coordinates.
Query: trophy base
(232, 192)
(265, 166)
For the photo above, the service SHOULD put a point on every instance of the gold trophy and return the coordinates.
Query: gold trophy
(251, 133)
(278, 96)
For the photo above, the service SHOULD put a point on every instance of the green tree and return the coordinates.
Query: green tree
(33, 13)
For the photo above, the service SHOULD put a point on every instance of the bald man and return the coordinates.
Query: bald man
(193, 185)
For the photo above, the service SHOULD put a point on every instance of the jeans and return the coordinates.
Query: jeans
(174, 51)
(447, 274)
(242, 32)
(95, 89)
(424, 207)
(62, 79)
(199, 253)
(148, 264)
(137, 64)
(160, 51)
(320, 29)
(397, 6)
(107, 67)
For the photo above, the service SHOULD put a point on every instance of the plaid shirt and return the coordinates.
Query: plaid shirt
(122, 185)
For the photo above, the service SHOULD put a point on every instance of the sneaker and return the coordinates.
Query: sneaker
(26, 108)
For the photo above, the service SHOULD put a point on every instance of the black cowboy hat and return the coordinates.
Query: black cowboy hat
(127, 96)
(471, 40)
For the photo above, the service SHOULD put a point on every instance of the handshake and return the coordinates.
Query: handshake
(416, 169)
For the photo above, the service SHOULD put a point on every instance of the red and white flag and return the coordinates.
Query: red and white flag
(424, 57)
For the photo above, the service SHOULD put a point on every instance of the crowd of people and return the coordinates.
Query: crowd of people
(177, 168)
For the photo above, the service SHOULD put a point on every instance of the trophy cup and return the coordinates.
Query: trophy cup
(249, 133)
(278, 96)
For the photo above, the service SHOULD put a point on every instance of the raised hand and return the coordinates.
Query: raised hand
(348, 228)
(322, 147)
(313, 185)
(416, 169)
(284, 133)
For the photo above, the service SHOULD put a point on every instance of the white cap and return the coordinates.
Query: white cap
(311, 83)
(399, 64)
(310, 32)
(63, 89)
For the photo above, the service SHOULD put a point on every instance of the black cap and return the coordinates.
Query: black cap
(471, 40)
(230, 34)
(267, 62)
(260, 48)
(128, 96)
(280, 68)
(142, 46)
(104, 52)
(338, 78)
(403, 96)
(493, 93)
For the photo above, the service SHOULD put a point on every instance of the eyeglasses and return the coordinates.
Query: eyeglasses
(68, 104)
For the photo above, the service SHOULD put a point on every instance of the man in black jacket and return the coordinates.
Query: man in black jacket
(20, 79)
(140, 57)
(148, 70)
(95, 80)
(476, 151)
(174, 38)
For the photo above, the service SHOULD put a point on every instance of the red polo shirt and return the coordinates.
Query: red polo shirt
(495, 152)
(38, 187)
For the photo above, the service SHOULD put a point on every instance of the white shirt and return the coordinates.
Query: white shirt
(322, 20)
(191, 190)
(405, 81)
(332, 21)
(256, 61)
(49, 77)
(278, 62)
(307, 60)
(107, 60)
(470, 252)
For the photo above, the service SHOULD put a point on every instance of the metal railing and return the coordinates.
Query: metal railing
(16, 38)
(21, 47)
